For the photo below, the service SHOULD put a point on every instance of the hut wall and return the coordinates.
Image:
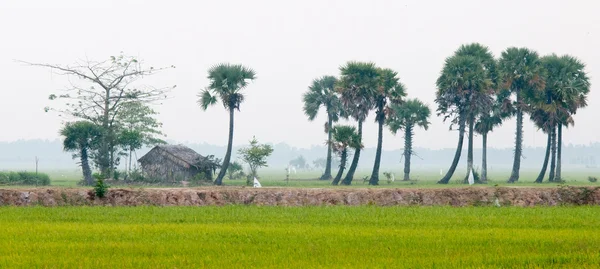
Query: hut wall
(161, 165)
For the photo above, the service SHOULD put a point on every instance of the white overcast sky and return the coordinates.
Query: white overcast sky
(288, 43)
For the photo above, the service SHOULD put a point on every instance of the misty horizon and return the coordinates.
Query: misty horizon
(288, 45)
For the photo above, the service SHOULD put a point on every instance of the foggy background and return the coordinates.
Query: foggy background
(288, 44)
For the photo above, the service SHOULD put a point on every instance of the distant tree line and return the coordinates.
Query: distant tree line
(476, 93)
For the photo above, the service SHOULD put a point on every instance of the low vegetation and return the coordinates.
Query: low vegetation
(303, 237)
(24, 178)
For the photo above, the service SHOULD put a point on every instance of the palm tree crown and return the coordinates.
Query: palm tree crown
(411, 113)
(226, 82)
(322, 93)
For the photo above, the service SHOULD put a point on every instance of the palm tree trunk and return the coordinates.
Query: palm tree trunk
(85, 167)
(461, 135)
(343, 160)
(540, 177)
(553, 155)
(225, 165)
(558, 176)
(374, 180)
(407, 150)
(470, 150)
(327, 174)
(484, 158)
(514, 177)
(350, 175)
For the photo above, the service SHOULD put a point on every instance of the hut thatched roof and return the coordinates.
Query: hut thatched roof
(181, 152)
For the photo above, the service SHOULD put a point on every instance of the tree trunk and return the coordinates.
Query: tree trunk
(85, 167)
(470, 151)
(104, 160)
(558, 176)
(407, 150)
(327, 174)
(350, 175)
(461, 134)
(129, 169)
(514, 176)
(225, 165)
(540, 177)
(484, 158)
(111, 171)
(343, 160)
(374, 180)
(553, 156)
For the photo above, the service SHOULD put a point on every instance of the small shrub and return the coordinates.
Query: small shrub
(116, 175)
(101, 188)
(592, 179)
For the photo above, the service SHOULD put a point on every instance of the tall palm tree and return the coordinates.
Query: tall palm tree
(520, 72)
(344, 137)
(82, 137)
(357, 86)
(405, 117)
(572, 91)
(481, 97)
(389, 91)
(322, 93)
(486, 123)
(460, 89)
(544, 110)
(226, 83)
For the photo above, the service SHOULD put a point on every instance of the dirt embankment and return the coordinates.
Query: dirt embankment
(502, 196)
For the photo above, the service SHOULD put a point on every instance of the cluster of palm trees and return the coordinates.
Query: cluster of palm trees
(360, 89)
(477, 91)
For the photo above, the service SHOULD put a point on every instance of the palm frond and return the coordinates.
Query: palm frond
(206, 99)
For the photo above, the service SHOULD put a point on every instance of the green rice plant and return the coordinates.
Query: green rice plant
(299, 237)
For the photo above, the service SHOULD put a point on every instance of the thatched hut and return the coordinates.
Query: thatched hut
(173, 163)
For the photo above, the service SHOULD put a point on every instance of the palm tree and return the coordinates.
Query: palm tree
(357, 86)
(460, 89)
(344, 137)
(322, 93)
(81, 137)
(481, 97)
(573, 94)
(405, 117)
(486, 123)
(389, 91)
(544, 112)
(520, 72)
(226, 83)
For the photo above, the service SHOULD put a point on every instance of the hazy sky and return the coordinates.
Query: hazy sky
(288, 44)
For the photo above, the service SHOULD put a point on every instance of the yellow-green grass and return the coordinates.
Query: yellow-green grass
(299, 237)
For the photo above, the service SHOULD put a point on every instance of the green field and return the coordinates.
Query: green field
(422, 179)
(299, 237)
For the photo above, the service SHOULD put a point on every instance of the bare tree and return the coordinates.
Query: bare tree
(97, 93)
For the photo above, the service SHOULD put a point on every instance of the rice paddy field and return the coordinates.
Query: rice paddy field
(299, 237)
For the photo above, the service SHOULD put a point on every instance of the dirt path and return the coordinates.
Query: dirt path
(470, 196)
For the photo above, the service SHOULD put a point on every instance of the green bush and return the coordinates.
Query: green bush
(24, 178)
(100, 189)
